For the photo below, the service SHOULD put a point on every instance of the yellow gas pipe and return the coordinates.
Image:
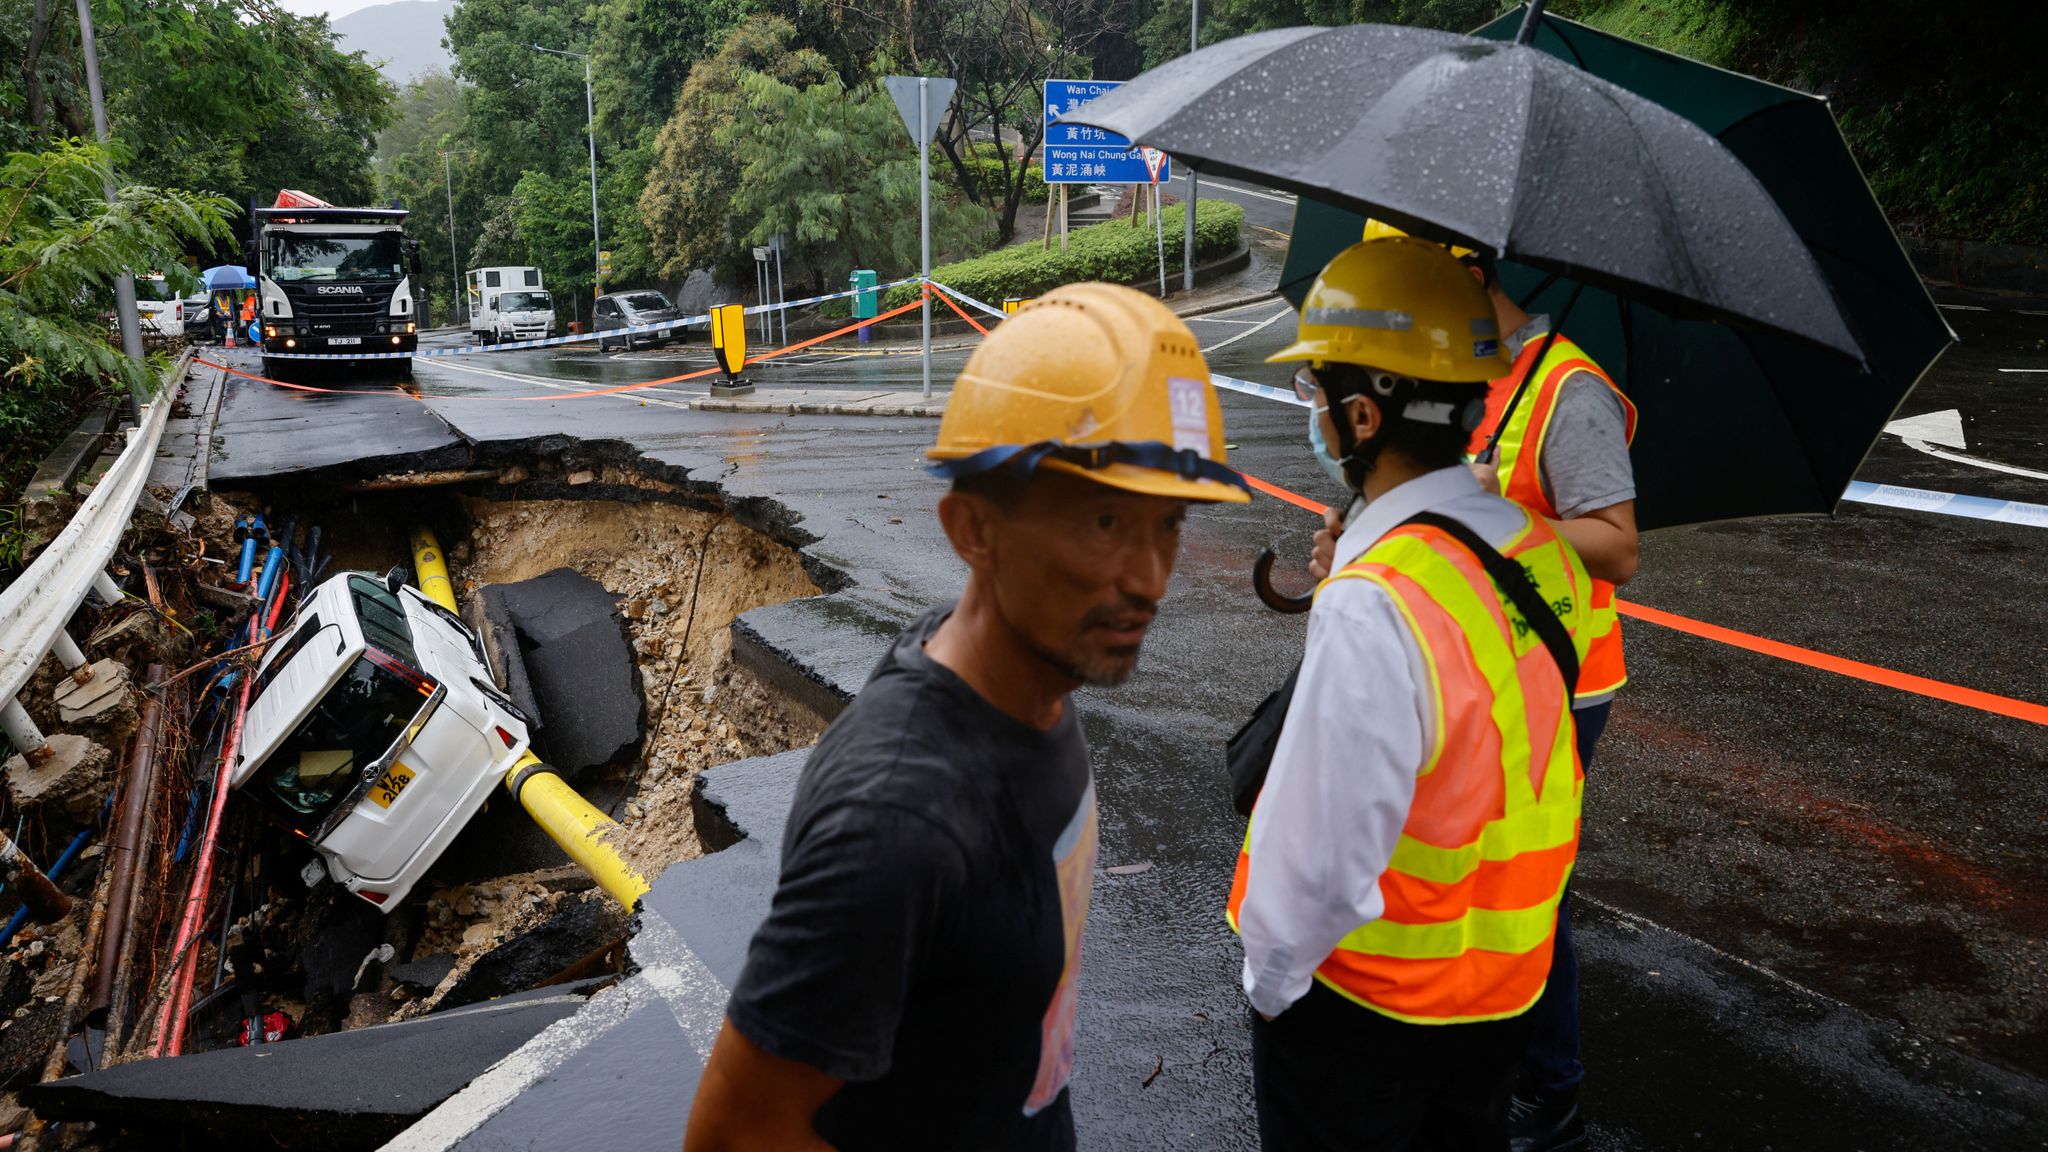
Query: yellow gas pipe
(578, 826)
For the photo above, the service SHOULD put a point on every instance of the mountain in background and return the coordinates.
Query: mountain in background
(403, 38)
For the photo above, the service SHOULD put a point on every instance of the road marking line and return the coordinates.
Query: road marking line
(1253, 330)
(1276, 197)
(559, 386)
(2027, 370)
(1931, 450)
(1964, 307)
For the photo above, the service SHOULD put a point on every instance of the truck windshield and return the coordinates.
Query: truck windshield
(294, 256)
(351, 728)
(526, 302)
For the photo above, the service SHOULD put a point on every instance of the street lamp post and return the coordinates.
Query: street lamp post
(454, 263)
(590, 123)
(124, 285)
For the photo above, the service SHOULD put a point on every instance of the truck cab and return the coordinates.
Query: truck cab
(375, 732)
(335, 280)
(509, 303)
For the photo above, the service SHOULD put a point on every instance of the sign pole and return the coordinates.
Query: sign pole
(781, 294)
(924, 217)
(1159, 228)
(1187, 231)
(1063, 217)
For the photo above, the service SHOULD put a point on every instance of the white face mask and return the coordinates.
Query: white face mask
(1332, 467)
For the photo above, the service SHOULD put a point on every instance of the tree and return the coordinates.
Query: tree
(833, 173)
(412, 170)
(689, 189)
(526, 108)
(1000, 52)
(62, 246)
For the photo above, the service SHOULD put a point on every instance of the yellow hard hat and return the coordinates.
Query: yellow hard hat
(1402, 305)
(1380, 230)
(1096, 380)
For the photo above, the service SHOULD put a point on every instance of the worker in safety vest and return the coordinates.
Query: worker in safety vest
(1398, 885)
(1564, 453)
(915, 982)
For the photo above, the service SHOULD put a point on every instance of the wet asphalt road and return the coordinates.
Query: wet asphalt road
(1815, 910)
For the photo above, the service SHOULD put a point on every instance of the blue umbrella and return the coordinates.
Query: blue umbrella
(226, 277)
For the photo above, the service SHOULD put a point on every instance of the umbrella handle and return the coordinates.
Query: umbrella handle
(1262, 583)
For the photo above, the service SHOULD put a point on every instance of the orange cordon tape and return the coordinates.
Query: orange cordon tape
(948, 298)
(1854, 669)
(615, 389)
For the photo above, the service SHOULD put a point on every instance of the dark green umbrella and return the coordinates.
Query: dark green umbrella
(1736, 420)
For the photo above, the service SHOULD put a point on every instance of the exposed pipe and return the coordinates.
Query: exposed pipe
(64, 860)
(170, 1034)
(430, 568)
(578, 826)
(138, 797)
(39, 897)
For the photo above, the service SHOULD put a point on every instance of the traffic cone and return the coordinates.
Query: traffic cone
(231, 335)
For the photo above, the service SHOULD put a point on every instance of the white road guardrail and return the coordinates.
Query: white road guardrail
(36, 607)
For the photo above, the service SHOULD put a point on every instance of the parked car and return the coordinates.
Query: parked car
(375, 733)
(197, 313)
(632, 309)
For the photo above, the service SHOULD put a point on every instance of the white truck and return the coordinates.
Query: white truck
(334, 280)
(509, 303)
(376, 732)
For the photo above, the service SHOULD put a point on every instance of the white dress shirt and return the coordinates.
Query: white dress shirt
(1343, 774)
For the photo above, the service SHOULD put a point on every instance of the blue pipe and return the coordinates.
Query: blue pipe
(248, 561)
(21, 914)
(271, 564)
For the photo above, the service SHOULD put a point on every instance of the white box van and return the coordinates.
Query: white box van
(509, 304)
(376, 732)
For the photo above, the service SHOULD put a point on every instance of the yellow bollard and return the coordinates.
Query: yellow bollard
(575, 824)
(430, 568)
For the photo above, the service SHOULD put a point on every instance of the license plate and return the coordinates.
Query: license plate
(344, 339)
(385, 791)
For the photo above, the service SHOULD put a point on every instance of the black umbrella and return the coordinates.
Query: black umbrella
(1693, 288)
(1500, 146)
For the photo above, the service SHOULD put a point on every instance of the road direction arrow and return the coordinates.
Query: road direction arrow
(1944, 428)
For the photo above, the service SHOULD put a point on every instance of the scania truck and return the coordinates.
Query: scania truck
(335, 280)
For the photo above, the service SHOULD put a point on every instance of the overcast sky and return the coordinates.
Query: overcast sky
(332, 8)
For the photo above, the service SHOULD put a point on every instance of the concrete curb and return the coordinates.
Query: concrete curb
(1226, 305)
(897, 404)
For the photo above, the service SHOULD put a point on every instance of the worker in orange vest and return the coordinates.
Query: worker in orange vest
(1398, 885)
(1564, 453)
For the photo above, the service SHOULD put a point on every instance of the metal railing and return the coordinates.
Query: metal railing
(41, 601)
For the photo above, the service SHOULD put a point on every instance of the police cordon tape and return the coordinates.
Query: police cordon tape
(583, 337)
(771, 354)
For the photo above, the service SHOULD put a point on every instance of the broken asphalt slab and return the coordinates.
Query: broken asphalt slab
(566, 661)
(271, 434)
(344, 1090)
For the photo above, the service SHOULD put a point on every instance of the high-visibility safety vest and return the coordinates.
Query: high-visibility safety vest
(1472, 890)
(1521, 478)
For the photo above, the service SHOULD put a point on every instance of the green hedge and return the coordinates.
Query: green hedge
(987, 166)
(1112, 251)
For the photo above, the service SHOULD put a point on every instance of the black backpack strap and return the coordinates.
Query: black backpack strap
(1511, 580)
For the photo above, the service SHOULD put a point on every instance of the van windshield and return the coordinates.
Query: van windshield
(351, 728)
(526, 302)
(646, 301)
(382, 618)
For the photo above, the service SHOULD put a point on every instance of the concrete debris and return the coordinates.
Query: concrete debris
(571, 944)
(72, 779)
(578, 668)
(97, 701)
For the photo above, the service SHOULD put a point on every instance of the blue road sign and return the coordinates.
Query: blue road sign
(1077, 154)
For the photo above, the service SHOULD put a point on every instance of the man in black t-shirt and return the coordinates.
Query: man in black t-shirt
(915, 983)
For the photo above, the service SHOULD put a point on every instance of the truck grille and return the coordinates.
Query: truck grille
(340, 315)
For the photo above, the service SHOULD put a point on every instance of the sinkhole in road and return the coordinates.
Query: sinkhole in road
(682, 564)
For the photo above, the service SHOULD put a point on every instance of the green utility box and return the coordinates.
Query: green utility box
(867, 303)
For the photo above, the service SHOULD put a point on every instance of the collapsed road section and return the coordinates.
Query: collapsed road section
(376, 900)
